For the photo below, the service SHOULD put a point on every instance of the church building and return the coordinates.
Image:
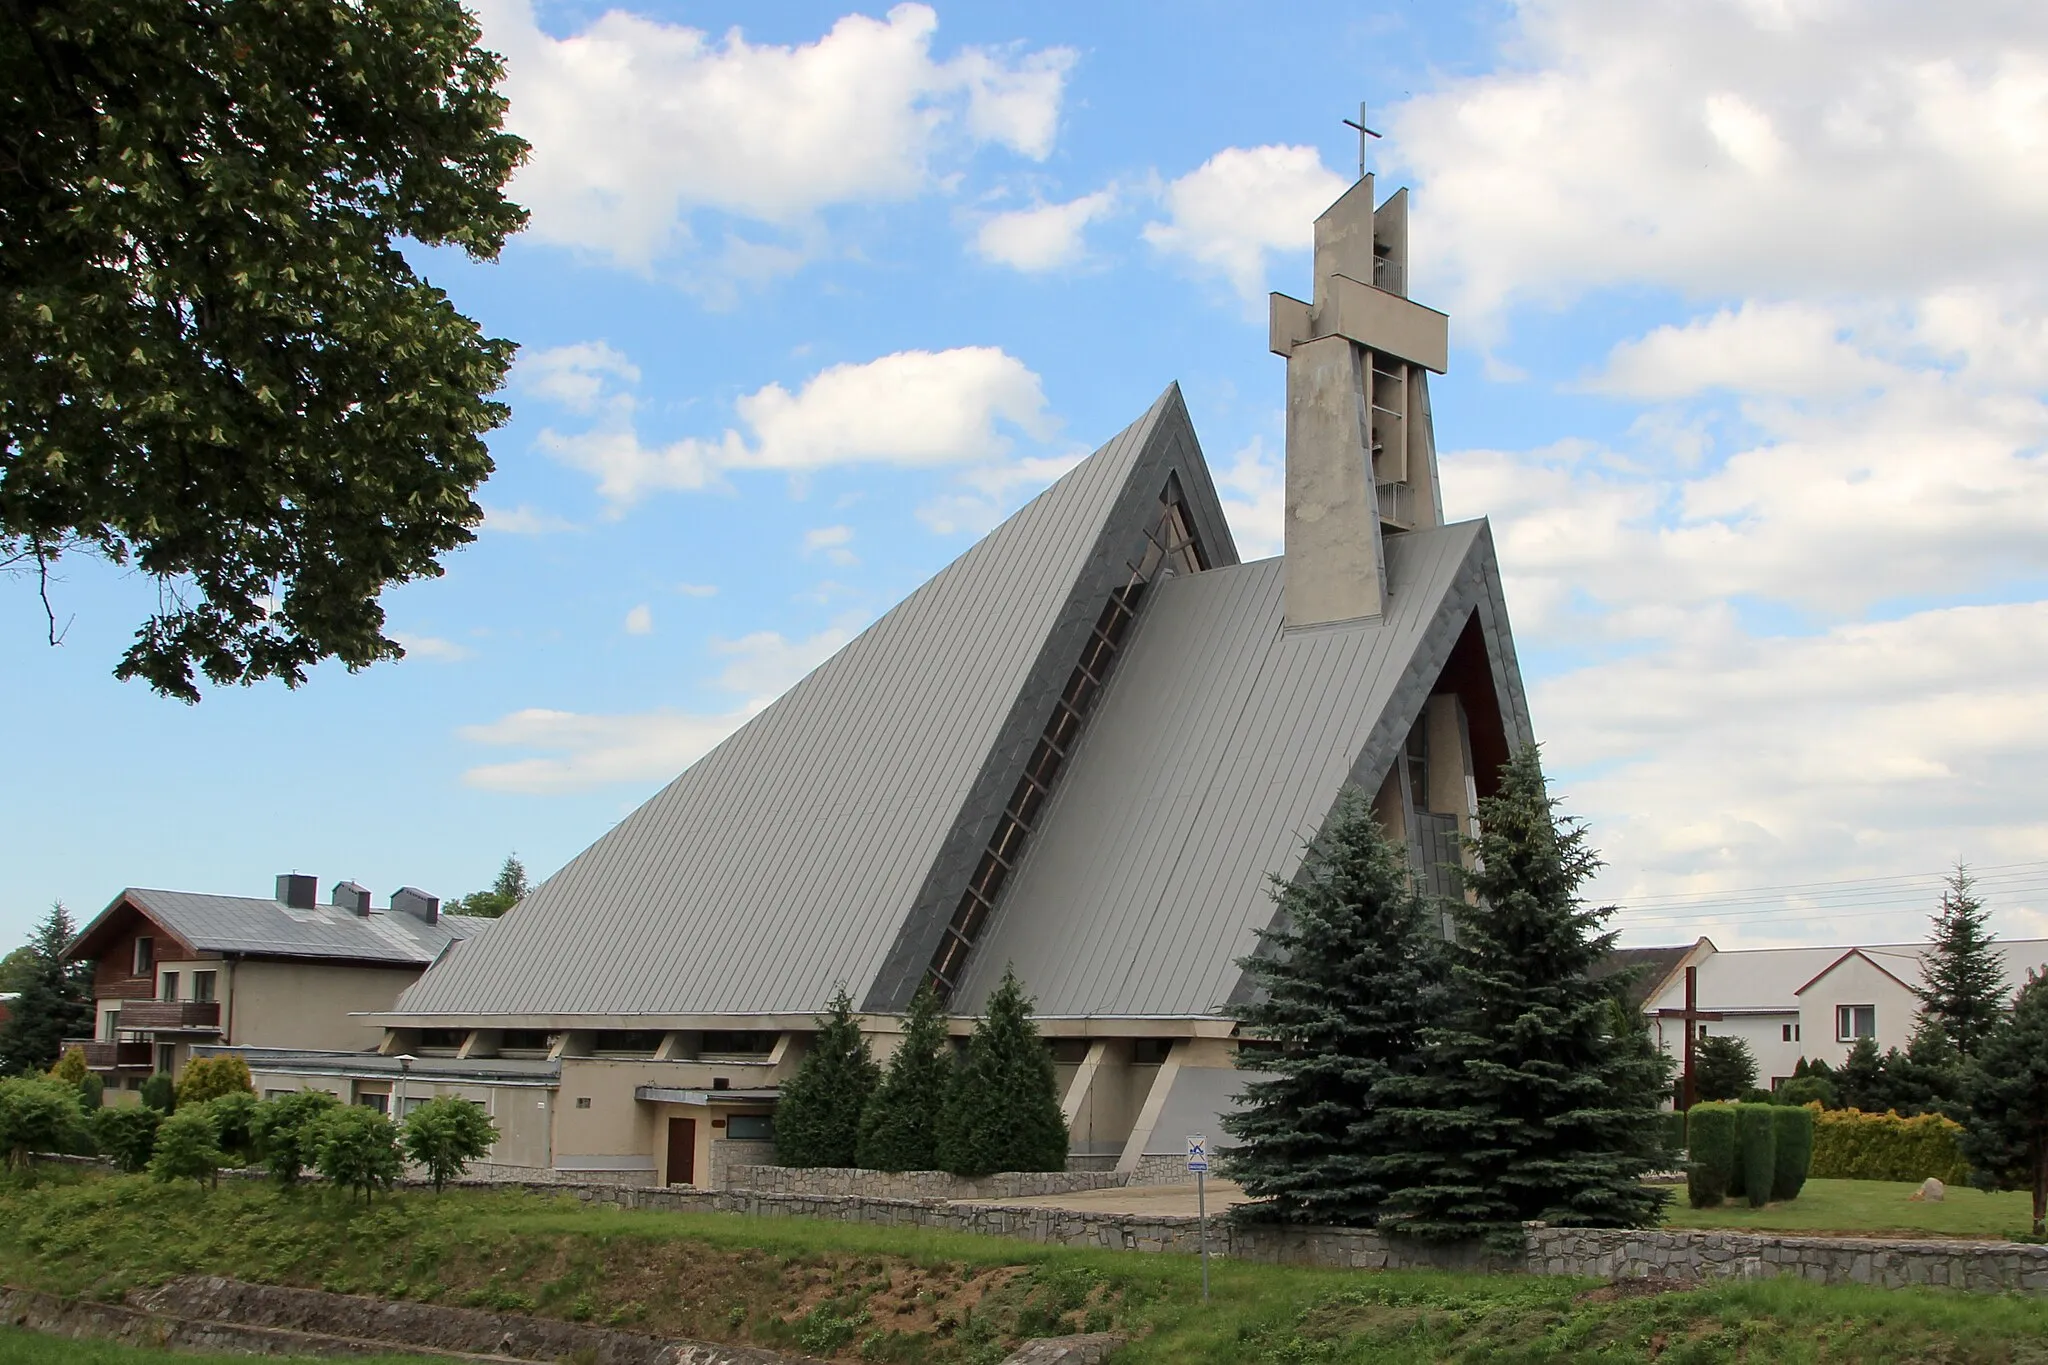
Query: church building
(1082, 750)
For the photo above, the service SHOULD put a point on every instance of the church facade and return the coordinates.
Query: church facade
(1082, 751)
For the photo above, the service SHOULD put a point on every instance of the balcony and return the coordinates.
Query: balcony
(170, 1016)
(101, 1056)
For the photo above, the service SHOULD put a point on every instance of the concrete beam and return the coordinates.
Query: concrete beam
(1380, 321)
(1335, 561)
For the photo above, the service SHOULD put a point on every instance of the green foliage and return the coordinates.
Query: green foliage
(817, 1119)
(206, 1078)
(1674, 1135)
(1002, 1110)
(220, 365)
(356, 1148)
(1756, 1141)
(1810, 1089)
(1927, 1078)
(233, 1116)
(1851, 1145)
(1962, 991)
(55, 996)
(1713, 1147)
(1528, 1103)
(92, 1092)
(1347, 979)
(71, 1068)
(127, 1133)
(187, 1148)
(286, 1132)
(38, 1114)
(445, 1135)
(1861, 1079)
(2007, 1140)
(1794, 1143)
(899, 1129)
(160, 1093)
(508, 890)
(1723, 1067)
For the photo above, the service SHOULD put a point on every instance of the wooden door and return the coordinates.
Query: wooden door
(682, 1151)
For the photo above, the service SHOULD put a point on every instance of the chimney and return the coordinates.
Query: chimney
(299, 891)
(352, 898)
(410, 900)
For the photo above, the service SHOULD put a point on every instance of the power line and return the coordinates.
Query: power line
(1980, 875)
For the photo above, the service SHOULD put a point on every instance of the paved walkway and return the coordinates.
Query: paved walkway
(1138, 1199)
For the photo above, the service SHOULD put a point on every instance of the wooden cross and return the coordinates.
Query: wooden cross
(1693, 1016)
(1363, 133)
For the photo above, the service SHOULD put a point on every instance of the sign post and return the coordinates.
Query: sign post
(1198, 1162)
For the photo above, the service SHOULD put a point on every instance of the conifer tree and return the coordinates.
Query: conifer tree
(817, 1120)
(55, 1000)
(1861, 1078)
(1963, 981)
(1528, 1104)
(1346, 979)
(1723, 1068)
(900, 1129)
(1002, 1109)
(2005, 1139)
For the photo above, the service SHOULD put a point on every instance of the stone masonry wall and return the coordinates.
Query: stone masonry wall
(1669, 1253)
(848, 1180)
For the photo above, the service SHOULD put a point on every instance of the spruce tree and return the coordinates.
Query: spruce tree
(1002, 1110)
(2005, 1139)
(1962, 989)
(899, 1131)
(1528, 1104)
(55, 1000)
(1723, 1068)
(1861, 1078)
(1346, 979)
(817, 1120)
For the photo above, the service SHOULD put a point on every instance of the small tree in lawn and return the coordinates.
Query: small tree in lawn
(1346, 980)
(1002, 1109)
(234, 1121)
(1962, 991)
(160, 1093)
(211, 1077)
(187, 1148)
(2006, 1137)
(356, 1148)
(1723, 1067)
(37, 1114)
(817, 1118)
(1527, 1103)
(899, 1131)
(286, 1132)
(445, 1135)
(127, 1134)
(1861, 1078)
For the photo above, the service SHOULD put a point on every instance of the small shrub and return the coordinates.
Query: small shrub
(1809, 1089)
(1757, 1138)
(357, 1148)
(211, 1077)
(1723, 1068)
(92, 1092)
(1711, 1144)
(446, 1134)
(1849, 1144)
(1795, 1150)
(234, 1123)
(71, 1068)
(160, 1093)
(1674, 1134)
(286, 1132)
(127, 1133)
(187, 1148)
(38, 1114)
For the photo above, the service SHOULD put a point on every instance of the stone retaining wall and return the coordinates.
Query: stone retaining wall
(849, 1180)
(1669, 1254)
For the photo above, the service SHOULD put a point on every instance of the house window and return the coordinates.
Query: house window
(1855, 1021)
(166, 1058)
(1703, 1030)
(170, 986)
(202, 985)
(372, 1099)
(583, 1101)
(1789, 1032)
(750, 1127)
(145, 956)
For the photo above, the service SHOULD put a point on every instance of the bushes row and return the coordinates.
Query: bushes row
(1849, 1144)
(1762, 1152)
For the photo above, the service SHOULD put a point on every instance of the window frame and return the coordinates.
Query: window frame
(145, 955)
(1846, 1020)
(167, 986)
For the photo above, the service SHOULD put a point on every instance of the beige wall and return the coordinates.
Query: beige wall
(1856, 982)
(308, 1004)
(520, 1111)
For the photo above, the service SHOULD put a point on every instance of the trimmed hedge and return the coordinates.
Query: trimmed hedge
(1795, 1150)
(1849, 1144)
(1711, 1143)
(1674, 1134)
(1756, 1137)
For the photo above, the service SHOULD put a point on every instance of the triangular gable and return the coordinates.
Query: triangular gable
(1853, 952)
(111, 923)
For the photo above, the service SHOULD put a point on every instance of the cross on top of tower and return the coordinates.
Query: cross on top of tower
(1363, 133)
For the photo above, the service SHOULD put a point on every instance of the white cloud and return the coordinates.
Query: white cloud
(640, 620)
(991, 492)
(636, 124)
(1791, 349)
(911, 409)
(579, 751)
(1044, 236)
(1242, 205)
(525, 521)
(697, 589)
(832, 543)
(1253, 488)
(580, 376)
(432, 647)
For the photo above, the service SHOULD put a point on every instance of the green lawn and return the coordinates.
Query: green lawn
(854, 1293)
(27, 1348)
(1872, 1208)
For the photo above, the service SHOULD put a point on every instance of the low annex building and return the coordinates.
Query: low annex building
(176, 970)
(1081, 750)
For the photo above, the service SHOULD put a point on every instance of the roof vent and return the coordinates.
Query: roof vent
(410, 900)
(298, 890)
(352, 898)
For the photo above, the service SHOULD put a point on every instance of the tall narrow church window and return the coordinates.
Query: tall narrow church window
(1170, 549)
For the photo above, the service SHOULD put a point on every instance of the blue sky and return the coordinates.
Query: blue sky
(1748, 369)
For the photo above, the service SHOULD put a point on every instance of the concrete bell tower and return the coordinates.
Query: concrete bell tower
(1361, 454)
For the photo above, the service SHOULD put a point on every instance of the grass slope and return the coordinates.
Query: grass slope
(1874, 1208)
(27, 1348)
(855, 1293)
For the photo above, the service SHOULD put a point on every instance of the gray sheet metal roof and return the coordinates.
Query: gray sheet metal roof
(254, 927)
(1219, 747)
(795, 855)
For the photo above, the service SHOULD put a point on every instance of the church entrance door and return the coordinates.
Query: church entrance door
(682, 1151)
